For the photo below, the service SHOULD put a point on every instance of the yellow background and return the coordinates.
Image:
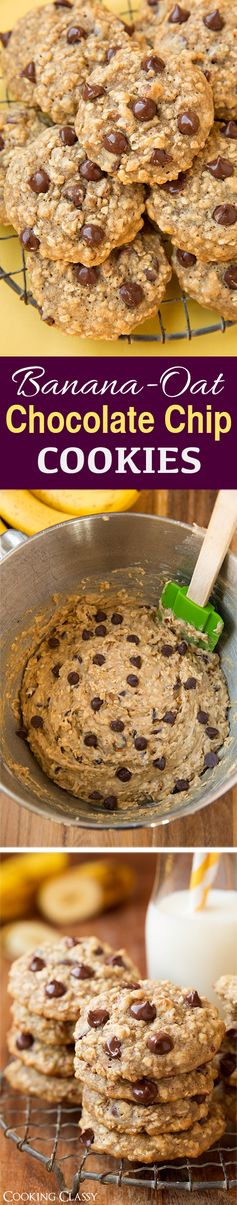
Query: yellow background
(23, 332)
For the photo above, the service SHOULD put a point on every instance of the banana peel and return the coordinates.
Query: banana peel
(86, 891)
(20, 877)
(87, 502)
(24, 512)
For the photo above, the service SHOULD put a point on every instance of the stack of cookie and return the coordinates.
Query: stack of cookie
(48, 988)
(145, 1056)
(226, 989)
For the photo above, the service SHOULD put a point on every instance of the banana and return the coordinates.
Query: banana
(87, 502)
(85, 891)
(17, 939)
(2, 527)
(20, 877)
(26, 513)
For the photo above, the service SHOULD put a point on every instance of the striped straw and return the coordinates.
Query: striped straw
(204, 870)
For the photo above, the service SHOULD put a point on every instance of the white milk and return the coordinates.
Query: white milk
(192, 948)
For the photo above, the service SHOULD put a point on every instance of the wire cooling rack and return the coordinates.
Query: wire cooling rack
(50, 1135)
(174, 318)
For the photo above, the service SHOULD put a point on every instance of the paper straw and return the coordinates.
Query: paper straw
(204, 870)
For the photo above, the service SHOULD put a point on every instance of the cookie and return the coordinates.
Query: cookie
(120, 709)
(18, 126)
(145, 1148)
(209, 35)
(199, 210)
(213, 285)
(108, 300)
(19, 46)
(228, 1101)
(83, 34)
(149, 17)
(63, 205)
(48, 1060)
(228, 1063)
(51, 1033)
(122, 1117)
(226, 986)
(51, 1088)
(157, 1028)
(168, 1090)
(143, 120)
(53, 980)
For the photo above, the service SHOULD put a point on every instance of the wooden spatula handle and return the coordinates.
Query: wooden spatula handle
(215, 545)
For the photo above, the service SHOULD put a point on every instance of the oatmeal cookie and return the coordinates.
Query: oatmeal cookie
(209, 35)
(48, 1060)
(226, 986)
(199, 210)
(122, 1116)
(213, 285)
(49, 1087)
(51, 1033)
(63, 204)
(171, 1089)
(145, 1148)
(159, 1028)
(54, 979)
(18, 126)
(19, 47)
(109, 300)
(149, 17)
(141, 119)
(67, 52)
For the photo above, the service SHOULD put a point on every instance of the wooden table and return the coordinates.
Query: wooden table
(213, 826)
(22, 1174)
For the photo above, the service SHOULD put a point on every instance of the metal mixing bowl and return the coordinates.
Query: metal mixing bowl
(132, 551)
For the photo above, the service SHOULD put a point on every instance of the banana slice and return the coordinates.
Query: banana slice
(85, 891)
(25, 935)
(20, 877)
(24, 512)
(87, 502)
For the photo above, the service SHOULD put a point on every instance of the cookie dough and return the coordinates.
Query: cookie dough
(51, 1033)
(209, 34)
(161, 1028)
(171, 1089)
(143, 120)
(123, 1117)
(110, 299)
(117, 707)
(53, 980)
(63, 203)
(48, 1060)
(199, 210)
(213, 285)
(82, 35)
(18, 126)
(51, 1088)
(145, 1148)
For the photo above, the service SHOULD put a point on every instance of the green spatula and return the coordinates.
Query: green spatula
(190, 603)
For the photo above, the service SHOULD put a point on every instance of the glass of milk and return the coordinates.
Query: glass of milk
(192, 948)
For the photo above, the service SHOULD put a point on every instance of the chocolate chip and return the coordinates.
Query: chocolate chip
(53, 642)
(24, 1041)
(232, 1034)
(132, 680)
(228, 1065)
(90, 170)
(89, 277)
(145, 1091)
(116, 618)
(178, 15)
(133, 639)
(81, 971)
(220, 168)
(230, 130)
(230, 276)
(161, 157)
(181, 784)
(136, 661)
(152, 63)
(96, 703)
(36, 964)
(29, 240)
(167, 650)
(140, 743)
(160, 1043)
(29, 73)
(97, 1017)
(56, 669)
(36, 721)
(225, 215)
(202, 716)
(2, 143)
(115, 143)
(73, 678)
(110, 53)
(211, 760)
(175, 186)
(143, 1012)
(160, 763)
(110, 802)
(22, 733)
(75, 194)
(117, 725)
(123, 774)
(143, 110)
(75, 33)
(113, 1048)
(93, 235)
(213, 20)
(193, 1000)
(132, 294)
(100, 630)
(96, 796)
(152, 273)
(188, 123)
(212, 732)
(39, 182)
(87, 1137)
(68, 136)
(92, 91)
(186, 260)
(90, 740)
(5, 37)
(98, 659)
(100, 616)
(169, 717)
(72, 941)
(62, 4)
(115, 960)
(190, 684)
(86, 634)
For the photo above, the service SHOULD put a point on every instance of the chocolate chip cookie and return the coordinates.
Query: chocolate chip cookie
(18, 126)
(53, 980)
(149, 17)
(62, 204)
(48, 1060)
(199, 210)
(123, 1117)
(51, 1033)
(208, 33)
(213, 285)
(104, 301)
(144, 120)
(145, 1148)
(49, 1087)
(169, 1089)
(226, 986)
(84, 33)
(158, 1027)
(18, 47)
